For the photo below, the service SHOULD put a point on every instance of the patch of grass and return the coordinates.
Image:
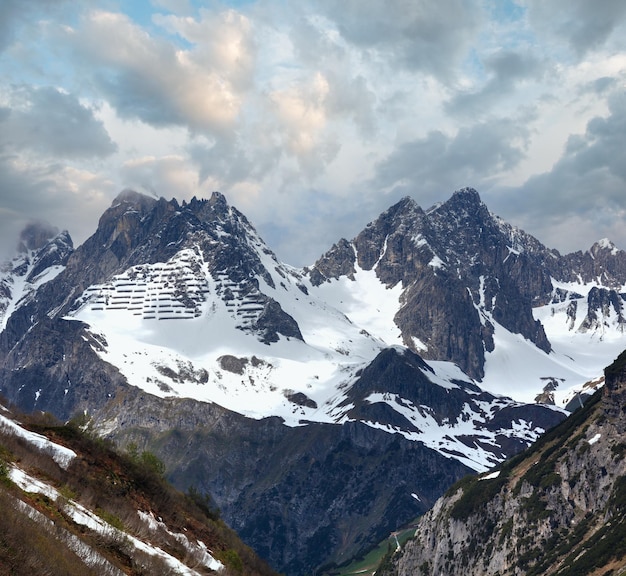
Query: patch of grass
(476, 494)
(373, 561)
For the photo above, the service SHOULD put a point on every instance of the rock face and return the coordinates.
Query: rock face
(455, 262)
(42, 254)
(303, 496)
(461, 269)
(555, 509)
(140, 230)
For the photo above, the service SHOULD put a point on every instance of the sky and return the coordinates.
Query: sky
(313, 117)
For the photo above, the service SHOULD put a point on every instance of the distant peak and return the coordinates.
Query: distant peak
(403, 206)
(35, 235)
(138, 200)
(218, 200)
(468, 195)
(465, 199)
(604, 244)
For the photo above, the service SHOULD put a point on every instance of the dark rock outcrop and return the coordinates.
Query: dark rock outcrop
(299, 496)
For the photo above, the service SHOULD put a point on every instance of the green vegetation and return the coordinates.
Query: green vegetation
(476, 494)
(617, 366)
(377, 560)
(115, 486)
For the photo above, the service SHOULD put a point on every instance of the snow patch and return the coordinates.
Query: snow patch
(595, 438)
(490, 476)
(60, 454)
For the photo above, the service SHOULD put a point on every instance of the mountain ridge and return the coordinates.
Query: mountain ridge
(170, 305)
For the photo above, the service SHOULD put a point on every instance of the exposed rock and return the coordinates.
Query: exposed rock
(299, 496)
(454, 262)
(555, 509)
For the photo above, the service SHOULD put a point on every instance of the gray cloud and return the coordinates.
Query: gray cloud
(506, 71)
(15, 13)
(431, 167)
(582, 24)
(67, 198)
(54, 123)
(584, 195)
(420, 35)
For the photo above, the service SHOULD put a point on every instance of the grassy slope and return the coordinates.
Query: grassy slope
(115, 486)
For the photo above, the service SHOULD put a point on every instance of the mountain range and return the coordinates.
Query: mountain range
(324, 406)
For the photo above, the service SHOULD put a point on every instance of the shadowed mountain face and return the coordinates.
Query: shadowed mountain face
(321, 407)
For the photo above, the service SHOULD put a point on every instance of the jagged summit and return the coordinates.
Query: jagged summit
(43, 252)
(604, 244)
(465, 196)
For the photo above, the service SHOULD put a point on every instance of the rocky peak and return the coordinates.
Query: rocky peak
(338, 261)
(218, 202)
(390, 238)
(465, 198)
(464, 227)
(603, 263)
(603, 245)
(55, 252)
(36, 235)
(134, 198)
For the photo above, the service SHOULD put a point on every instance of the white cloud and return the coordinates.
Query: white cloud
(312, 117)
(151, 79)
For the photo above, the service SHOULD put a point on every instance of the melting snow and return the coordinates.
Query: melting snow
(85, 517)
(490, 476)
(61, 455)
(595, 438)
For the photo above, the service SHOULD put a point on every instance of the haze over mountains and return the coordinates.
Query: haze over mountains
(322, 406)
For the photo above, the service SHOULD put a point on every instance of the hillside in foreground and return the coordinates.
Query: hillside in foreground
(70, 504)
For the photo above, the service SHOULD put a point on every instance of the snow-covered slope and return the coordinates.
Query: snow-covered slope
(37, 262)
(545, 324)
(171, 331)
(174, 329)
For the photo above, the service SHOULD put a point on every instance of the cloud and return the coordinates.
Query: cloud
(14, 14)
(587, 184)
(168, 176)
(431, 37)
(67, 197)
(159, 83)
(506, 70)
(350, 95)
(53, 123)
(580, 24)
(437, 164)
